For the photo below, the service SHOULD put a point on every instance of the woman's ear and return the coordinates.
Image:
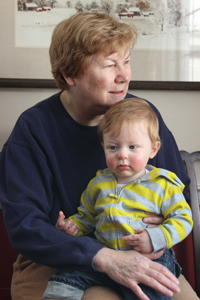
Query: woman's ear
(102, 144)
(69, 80)
(155, 149)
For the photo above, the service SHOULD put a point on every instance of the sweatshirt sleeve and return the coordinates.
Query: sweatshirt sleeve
(85, 218)
(30, 195)
(178, 220)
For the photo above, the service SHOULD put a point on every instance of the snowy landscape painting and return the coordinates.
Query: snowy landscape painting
(168, 45)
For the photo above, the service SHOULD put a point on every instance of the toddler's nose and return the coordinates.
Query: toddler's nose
(122, 155)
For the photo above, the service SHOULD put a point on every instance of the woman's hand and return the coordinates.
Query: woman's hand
(130, 268)
(153, 220)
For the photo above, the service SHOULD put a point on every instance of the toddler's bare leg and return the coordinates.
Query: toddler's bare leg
(100, 293)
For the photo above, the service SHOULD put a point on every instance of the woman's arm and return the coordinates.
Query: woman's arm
(30, 200)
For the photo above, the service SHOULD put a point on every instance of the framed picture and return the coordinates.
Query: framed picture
(166, 55)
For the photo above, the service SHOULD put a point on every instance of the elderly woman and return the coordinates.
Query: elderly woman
(54, 151)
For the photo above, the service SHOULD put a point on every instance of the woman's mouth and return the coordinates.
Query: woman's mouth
(118, 93)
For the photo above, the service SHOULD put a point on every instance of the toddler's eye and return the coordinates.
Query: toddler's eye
(132, 147)
(113, 147)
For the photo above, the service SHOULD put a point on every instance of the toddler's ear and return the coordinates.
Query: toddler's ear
(155, 149)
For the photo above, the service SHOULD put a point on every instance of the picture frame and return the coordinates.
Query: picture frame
(153, 68)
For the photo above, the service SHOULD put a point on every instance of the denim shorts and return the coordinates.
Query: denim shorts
(69, 284)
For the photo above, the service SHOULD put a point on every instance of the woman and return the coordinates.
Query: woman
(53, 144)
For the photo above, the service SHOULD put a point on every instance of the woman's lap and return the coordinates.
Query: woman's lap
(186, 291)
(30, 280)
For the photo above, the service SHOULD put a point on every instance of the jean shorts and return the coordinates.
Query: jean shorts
(69, 284)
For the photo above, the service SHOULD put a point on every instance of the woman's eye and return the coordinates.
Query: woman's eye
(126, 62)
(132, 147)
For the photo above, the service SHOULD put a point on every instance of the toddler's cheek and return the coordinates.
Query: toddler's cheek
(110, 161)
(138, 162)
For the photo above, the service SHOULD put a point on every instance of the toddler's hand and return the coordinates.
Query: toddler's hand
(65, 226)
(140, 241)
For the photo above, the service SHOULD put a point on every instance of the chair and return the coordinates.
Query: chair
(189, 160)
(7, 258)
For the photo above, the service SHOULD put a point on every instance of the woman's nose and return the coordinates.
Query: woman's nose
(123, 75)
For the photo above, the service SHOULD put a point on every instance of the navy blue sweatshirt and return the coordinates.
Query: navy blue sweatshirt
(45, 165)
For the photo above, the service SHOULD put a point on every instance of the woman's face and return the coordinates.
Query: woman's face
(104, 82)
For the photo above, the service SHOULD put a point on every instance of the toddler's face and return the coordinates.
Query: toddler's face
(128, 153)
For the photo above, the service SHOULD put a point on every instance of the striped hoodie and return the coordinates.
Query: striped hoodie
(114, 214)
